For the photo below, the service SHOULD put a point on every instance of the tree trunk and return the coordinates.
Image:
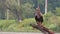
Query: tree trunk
(19, 19)
(45, 7)
(7, 14)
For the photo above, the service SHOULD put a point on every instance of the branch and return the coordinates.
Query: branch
(43, 29)
(37, 27)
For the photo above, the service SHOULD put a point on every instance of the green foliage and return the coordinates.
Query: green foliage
(23, 6)
(4, 24)
(48, 15)
(27, 22)
(52, 21)
(41, 2)
(27, 10)
(11, 25)
(57, 11)
(52, 4)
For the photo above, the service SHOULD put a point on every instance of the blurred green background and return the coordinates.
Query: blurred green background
(17, 15)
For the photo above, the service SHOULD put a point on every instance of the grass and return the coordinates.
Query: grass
(52, 23)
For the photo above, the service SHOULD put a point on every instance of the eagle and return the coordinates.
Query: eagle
(38, 15)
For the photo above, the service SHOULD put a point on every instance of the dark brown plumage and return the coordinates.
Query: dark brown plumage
(38, 15)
